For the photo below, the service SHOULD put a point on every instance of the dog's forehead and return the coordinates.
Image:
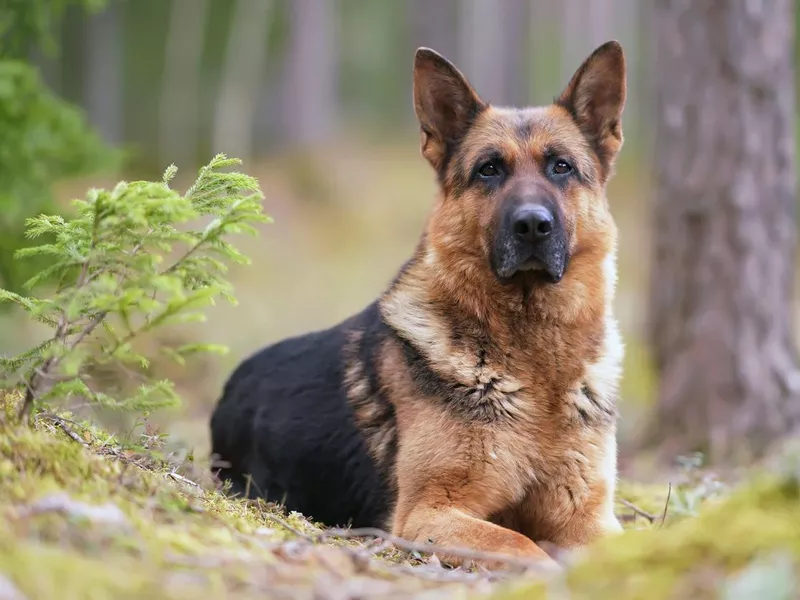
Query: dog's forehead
(527, 135)
(530, 131)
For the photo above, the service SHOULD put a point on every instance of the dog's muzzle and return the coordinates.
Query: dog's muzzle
(530, 237)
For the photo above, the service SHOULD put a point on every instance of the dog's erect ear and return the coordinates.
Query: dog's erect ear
(595, 96)
(445, 104)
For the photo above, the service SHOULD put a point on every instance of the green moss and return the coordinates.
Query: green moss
(172, 539)
(638, 383)
(45, 571)
(167, 528)
(167, 538)
(650, 498)
(693, 558)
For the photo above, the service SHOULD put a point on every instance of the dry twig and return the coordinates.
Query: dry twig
(641, 512)
(666, 506)
(289, 527)
(183, 479)
(409, 546)
(62, 423)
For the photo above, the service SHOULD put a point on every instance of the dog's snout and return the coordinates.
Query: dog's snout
(533, 222)
(530, 236)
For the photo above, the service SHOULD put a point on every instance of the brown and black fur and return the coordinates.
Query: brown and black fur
(473, 403)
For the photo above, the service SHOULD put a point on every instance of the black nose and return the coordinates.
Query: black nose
(533, 223)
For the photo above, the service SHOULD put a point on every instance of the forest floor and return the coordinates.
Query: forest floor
(87, 516)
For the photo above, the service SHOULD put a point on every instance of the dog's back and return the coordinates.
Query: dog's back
(283, 431)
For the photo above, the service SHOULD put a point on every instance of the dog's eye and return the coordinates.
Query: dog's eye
(488, 170)
(561, 167)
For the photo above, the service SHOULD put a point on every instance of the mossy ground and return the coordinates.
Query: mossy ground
(86, 516)
(732, 544)
(90, 518)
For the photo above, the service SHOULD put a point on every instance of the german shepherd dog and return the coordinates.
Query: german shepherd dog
(472, 405)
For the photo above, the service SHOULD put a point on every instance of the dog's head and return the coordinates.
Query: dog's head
(523, 190)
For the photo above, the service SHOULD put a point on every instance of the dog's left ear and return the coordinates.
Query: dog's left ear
(445, 103)
(595, 96)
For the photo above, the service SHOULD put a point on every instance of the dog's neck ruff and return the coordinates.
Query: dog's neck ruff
(466, 291)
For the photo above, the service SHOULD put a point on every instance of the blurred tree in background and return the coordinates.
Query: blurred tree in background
(725, 226)
(315, 96)
(44, 139)
(299, 73)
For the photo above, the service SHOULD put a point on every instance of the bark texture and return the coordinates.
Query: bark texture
(491, 39)
(245, 61)
(312, 64)
(725, 232)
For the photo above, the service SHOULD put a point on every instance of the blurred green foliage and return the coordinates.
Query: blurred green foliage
(27, 22)
(45, 139)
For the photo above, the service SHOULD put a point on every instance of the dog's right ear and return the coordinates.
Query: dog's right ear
(445, 103)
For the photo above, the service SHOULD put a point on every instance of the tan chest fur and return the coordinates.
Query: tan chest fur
(536, 447)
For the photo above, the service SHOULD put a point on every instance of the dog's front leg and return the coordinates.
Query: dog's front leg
(450, 483)
(446, 496)
(573, 512)
(451, 527)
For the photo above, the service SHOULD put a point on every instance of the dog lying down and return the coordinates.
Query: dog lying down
(472, 404)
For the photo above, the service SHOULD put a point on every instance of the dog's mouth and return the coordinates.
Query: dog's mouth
(549, 273)
(546, 267)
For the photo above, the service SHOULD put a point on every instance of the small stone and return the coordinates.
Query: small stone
(106, 514)
(9, 591)
(434, 561)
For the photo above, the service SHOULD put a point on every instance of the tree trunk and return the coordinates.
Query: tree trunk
(491, 45)
(104, 79)
(724, 226)
(585, 26)
(311, 101)
(432, 25)
(179, 109)
(245, 59)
